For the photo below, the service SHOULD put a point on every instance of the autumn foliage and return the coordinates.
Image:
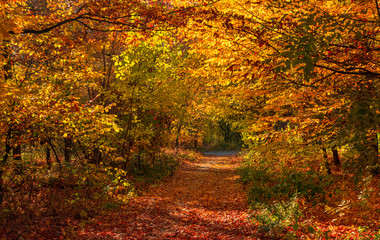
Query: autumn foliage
(98, 99)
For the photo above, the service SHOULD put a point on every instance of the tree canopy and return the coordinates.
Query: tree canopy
(115, 84)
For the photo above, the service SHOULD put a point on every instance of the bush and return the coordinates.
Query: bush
(147, 170)
(266, 183)
(274, 218)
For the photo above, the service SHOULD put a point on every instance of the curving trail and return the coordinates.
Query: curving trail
(201, 201)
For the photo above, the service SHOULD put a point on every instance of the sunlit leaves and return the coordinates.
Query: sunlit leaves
(306, 62)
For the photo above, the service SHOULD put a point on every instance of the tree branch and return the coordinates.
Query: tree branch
(48, 29)
(364, 72)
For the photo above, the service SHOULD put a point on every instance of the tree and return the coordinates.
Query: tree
(305, 62)
(56, 62)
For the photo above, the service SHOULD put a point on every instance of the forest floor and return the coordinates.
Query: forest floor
(201, 201)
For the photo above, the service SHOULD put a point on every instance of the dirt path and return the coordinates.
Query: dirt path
(201, 201)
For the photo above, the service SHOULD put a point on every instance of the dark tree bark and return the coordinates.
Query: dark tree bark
(8, 149)
(67, 149)
(336, 159)
(48, 157)
(326, 163)
(17, 159)
(7, 71)
(177, 137)
(17, 153)
(55, 153)
(139, 165)
(5, 159)
(97, 156)
(1, 185)
(195, 143)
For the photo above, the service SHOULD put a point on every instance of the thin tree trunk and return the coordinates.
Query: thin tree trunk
(48, 157)
(17, 153)
(5, 159)
(97, 156)
(196, 140)
(55, 153)
(378, 8)
(7, 71)
(127, 155)
(139, 165)
(2, 164)
(326, 164)
(7, 153)
(67, 149)
(177, 137)
(1, 185)
(17, 158)
(336, 159)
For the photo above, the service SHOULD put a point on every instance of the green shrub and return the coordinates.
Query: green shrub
(147, 170)
(274, 218)
(267, 181)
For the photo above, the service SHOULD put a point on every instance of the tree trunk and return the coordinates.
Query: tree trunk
(2, 163)
(1, 185)
(97, 156)
(177, 137)
(139, 165)
(17, 159)
(67, 149)
(48, 157)
(17, 153)
(55, 153)
(195, 144)
(196, 140)
(326, 163)
(336, 159)
(7, 76)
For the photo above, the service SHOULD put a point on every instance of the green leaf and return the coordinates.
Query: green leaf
(296, 227)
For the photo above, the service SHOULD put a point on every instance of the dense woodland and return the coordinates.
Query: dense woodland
(99, 99)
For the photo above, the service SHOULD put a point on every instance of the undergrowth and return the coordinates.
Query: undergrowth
(44, 200)
(57, 202)
(275, 217)
(266, 184)
(149, 171)
(292, 199)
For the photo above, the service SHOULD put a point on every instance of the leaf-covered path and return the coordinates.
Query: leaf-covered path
(201, 201)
